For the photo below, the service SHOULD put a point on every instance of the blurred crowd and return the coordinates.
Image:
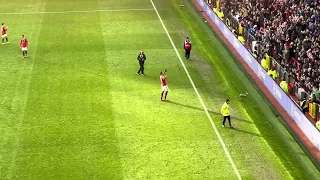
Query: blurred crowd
(289, 31)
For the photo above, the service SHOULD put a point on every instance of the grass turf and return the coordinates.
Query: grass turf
(74, 109)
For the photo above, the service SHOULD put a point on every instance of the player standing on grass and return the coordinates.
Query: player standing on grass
(141, 58)
(164, 86)
(4, 34)
(187, 47)
(226, 113)
(24, 46)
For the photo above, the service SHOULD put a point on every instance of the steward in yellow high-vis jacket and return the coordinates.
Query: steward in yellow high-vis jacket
(284, 85)
(272, 72)
(318, 125)
(264, 64)
(241, 39)
(226, 113)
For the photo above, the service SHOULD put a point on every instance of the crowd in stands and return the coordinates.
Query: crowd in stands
(289, 31)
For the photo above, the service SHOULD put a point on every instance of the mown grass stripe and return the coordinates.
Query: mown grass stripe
(235, 169)
(22, 110)
(68, 12)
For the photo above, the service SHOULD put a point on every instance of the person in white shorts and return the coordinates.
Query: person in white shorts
(24, 46)
(4, 34)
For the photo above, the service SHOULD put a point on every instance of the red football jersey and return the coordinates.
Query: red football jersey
(187, 46)
(163, 80)
(3, 30)
(24, 42)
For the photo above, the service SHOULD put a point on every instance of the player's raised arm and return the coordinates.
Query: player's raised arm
(165, 73)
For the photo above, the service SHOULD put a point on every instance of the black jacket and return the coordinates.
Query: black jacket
(141, 57)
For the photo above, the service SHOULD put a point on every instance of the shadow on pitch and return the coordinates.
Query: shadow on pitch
(212, 112)
(251, 133)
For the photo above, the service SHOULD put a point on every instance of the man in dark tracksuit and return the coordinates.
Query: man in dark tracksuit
(187, 47)
(141, 58)
(304, 105)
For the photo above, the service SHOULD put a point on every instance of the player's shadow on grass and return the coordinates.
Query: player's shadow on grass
(212, 112)
(251, 133)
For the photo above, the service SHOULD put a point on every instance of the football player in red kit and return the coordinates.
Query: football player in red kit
(24, 46)
(4, 34)
(187, 47)
(164, 86)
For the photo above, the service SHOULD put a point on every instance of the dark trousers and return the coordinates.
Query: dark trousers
(187, 54)
(141, 63)
(225, 118)
(304, 110)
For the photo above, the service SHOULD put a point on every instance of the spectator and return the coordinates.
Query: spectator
(314, 99)
(290, 88)
(288, 30)
(255, 52)
(316, 92)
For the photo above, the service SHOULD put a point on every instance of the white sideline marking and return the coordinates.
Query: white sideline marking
(89, 11)
(199, 97)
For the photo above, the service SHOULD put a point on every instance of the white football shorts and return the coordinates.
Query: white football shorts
(24, 49)
(165, 88)
(4, 36)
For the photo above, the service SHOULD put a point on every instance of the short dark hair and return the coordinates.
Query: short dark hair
(2, 23)
(160, 73)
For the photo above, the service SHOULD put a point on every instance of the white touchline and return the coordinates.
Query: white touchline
(88, 11)
(200, 99)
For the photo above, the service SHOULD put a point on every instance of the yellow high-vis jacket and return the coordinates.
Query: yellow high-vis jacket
(241, 39)
(264, 64)
(220, 15)
(284, 86)
(303, 104)
(273, 73)
(318, 125)
(225, 109)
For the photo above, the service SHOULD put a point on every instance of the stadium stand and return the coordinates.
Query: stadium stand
(284, 35)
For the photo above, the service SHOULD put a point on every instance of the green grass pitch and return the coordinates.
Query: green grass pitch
(74, 109)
